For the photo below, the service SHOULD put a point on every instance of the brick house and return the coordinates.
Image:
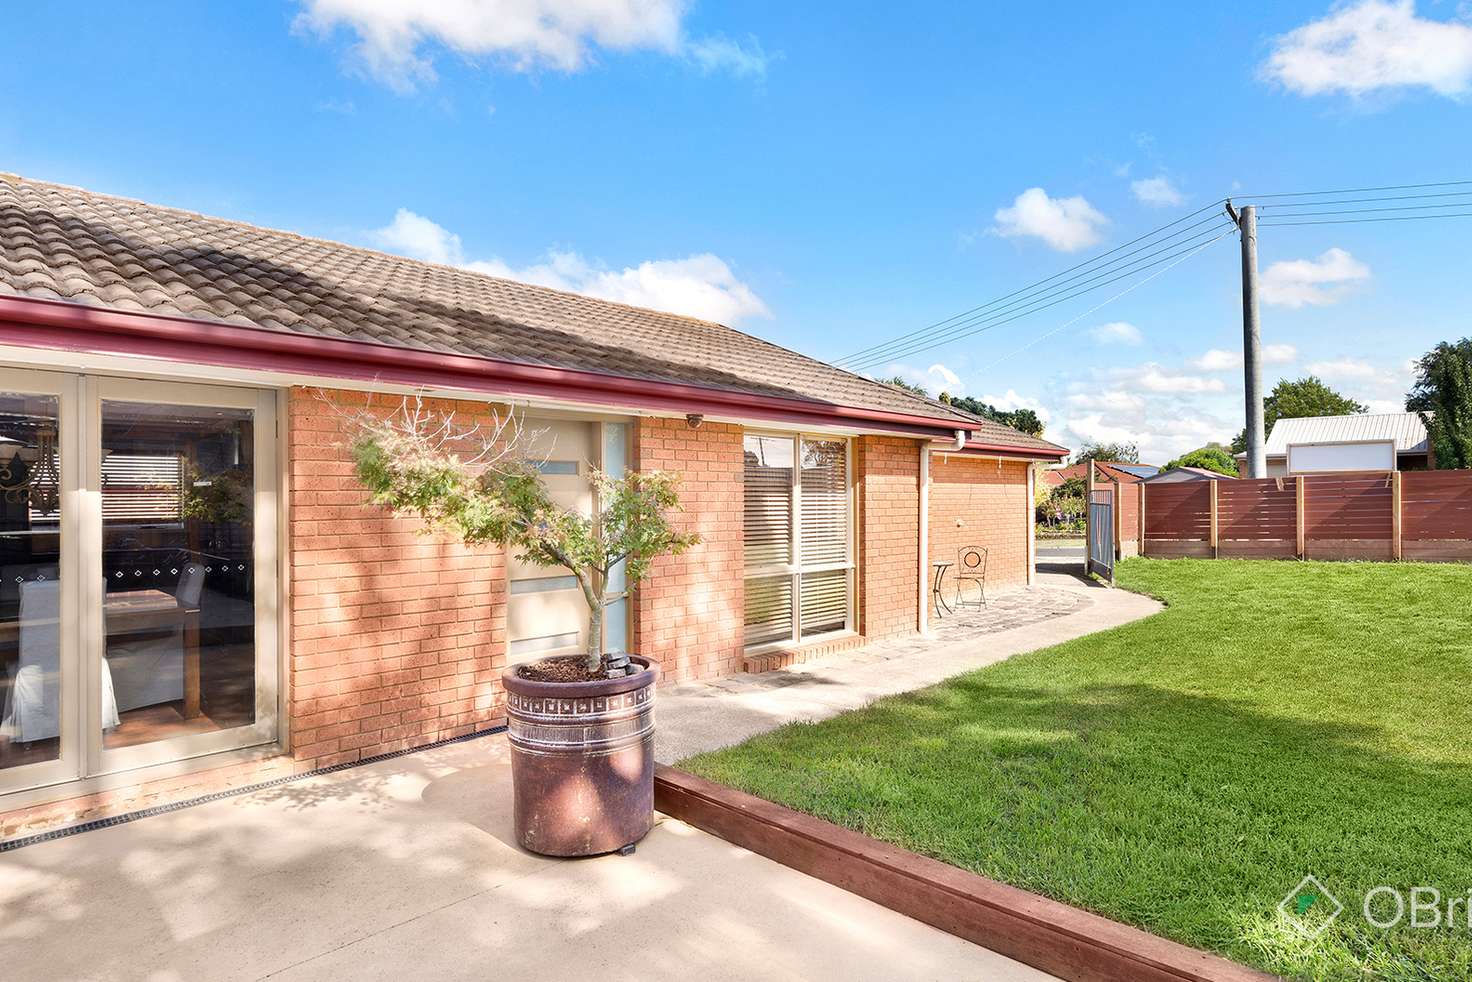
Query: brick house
(195, 594)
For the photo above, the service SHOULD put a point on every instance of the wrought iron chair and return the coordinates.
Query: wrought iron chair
(971, 566)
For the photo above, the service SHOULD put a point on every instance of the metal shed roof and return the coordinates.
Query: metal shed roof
(1404, 429)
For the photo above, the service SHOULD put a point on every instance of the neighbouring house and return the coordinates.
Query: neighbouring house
(195, 593)
(1055, 476)
(1177, 475)
(1362, 442)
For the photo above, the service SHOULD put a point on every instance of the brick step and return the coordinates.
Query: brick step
(769, 661)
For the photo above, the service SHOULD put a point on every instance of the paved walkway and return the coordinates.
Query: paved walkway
(705, 716)
(405, 870)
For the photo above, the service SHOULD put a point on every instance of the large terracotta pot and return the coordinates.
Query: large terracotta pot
(582, 761)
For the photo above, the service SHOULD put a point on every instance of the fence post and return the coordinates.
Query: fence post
(1298, 481)
(1395, 515)
(1141, 530)
(1215, 549)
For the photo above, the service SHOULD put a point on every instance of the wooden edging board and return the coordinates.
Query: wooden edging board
(1054, 937)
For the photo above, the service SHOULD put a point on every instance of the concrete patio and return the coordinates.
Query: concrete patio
(703, 716)
(407, 868)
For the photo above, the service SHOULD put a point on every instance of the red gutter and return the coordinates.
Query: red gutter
(37, 323)
(976, 449)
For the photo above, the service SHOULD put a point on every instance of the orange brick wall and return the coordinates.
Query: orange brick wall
(887, 522)
(983, 503)
(397, 639)
(689, 613)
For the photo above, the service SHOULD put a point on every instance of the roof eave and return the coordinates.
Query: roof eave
(59, 324)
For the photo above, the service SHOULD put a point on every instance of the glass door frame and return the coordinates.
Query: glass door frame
(68, 763)
(265, 542)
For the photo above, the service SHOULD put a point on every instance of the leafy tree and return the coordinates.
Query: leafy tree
(1442, 395)
(1299, 399)
(1124, 453)
(1025, 420)
(900, 382)
(1212, 457)
(480, 486)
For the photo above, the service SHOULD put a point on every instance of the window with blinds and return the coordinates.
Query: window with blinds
(796, 538)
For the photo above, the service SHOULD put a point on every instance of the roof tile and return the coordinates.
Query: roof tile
(61, 241)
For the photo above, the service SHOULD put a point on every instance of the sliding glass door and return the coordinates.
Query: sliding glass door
(138, 549)
(185, 658)
(39, 672)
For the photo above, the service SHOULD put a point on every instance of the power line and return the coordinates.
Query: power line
(1355, 201)
(1357, 221)
(1391, 187)
(992, 303)
(885, 352)
(1097, 307)
(926, 345)
(1367, 211)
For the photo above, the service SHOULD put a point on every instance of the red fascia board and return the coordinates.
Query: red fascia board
(1003, 450)
(40, 323)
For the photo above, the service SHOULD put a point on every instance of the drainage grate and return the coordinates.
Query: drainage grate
(103, 823)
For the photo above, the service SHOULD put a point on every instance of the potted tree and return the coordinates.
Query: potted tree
(581, 727)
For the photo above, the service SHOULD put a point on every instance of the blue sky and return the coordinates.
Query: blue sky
(824, 176)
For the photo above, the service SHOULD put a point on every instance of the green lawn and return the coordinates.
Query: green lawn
(1184, 772)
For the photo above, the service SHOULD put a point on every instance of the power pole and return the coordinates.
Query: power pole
(1257, 461)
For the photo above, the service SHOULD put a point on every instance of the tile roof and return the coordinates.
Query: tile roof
(65, 243)
(1405, 429)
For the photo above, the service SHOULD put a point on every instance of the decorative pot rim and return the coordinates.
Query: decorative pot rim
(512, 682)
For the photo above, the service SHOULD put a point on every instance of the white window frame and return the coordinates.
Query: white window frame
(795, 568)
(84, 765)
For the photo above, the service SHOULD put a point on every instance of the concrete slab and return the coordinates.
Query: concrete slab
(405, 869)
(698, 717)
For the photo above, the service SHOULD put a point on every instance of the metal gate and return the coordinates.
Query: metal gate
(1101, 533)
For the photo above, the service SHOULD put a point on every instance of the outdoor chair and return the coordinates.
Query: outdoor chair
(971, 567)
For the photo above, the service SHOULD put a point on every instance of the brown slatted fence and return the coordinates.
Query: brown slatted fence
(1413, 515)
(1436, 515)
(1178, 519)
(1257, 518)
(1349, 516)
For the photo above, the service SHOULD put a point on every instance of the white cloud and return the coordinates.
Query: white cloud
(1012, 400)
(1066, 224)
(1362, 48)
(1279, 354)
(701, 285)
(1219, 360)
(393, 37)
(1385, 405)
(419, 238)
(721, 54)
(936, 379)
(1311, 282)
(1115, 400)
(1117, 332)
(1151, 377)
(1158, 191)
(1343, 368)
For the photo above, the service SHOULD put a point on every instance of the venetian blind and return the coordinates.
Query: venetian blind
(767, 528)
(824, 503)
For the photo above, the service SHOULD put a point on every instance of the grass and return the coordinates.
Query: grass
(1184, 772)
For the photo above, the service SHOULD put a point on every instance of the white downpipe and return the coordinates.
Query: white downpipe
(1032, 523)
(922, 619)
(922, 614)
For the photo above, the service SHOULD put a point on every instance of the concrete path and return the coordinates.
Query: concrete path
(705, 716)
(405, 870)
